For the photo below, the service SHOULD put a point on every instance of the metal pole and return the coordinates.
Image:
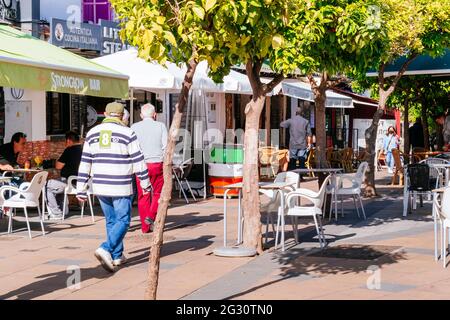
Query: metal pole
(132, 106)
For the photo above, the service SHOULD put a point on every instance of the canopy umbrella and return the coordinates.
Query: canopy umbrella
(29, 63)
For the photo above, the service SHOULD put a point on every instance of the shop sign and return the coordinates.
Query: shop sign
(111, 42)
(70, 34)
(9, 10)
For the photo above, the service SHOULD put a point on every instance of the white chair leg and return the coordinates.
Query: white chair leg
(335, 206)
(318, 231)
(405, 201)
(41, 218)
(28, 222)
(92, 210)
(362, 206)
(342, 206)
(356, 205)
(444, 247)
(65, 206)
(278, 228)
(331, 206)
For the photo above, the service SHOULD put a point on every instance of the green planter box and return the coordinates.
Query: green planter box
(227, 154)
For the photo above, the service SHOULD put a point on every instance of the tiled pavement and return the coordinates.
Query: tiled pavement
(41, 268)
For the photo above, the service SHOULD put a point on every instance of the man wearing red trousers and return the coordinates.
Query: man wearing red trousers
(152, 137)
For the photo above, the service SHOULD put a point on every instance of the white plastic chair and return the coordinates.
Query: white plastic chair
(23, 198)
(317, 199)
(434, 172)
(442, 211)
(273, 195)
(71, 189)
(356, 180)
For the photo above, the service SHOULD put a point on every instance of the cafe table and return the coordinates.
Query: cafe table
(236, 251)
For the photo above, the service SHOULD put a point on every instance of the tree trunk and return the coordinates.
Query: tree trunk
(371, 140)
(426, 133)
(321, 134)
(251, 203)
(155, 250)
(406, 142)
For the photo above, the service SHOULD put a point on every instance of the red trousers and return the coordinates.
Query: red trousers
(148, 203)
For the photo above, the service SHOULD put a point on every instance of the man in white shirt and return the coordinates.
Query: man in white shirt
(152, 137)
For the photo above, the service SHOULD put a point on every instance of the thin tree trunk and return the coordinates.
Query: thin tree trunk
(371, 140)
(371, 132)
(426, 133)
(321, 134)
(251, 203)
(155, 250)
(406, 142)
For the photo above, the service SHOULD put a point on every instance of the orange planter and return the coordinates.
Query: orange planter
(217, 182)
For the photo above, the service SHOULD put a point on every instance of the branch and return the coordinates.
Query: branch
(401, 72)
(312, 81)
(334, 83)
(272, 84)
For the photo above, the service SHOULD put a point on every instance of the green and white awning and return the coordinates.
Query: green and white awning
(29, 63)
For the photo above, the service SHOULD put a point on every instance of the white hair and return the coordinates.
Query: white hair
(147, 111)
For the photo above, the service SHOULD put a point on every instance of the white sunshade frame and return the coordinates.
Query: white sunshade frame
(301, 90)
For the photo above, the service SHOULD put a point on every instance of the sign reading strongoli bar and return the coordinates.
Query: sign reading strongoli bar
(60, 81)
(69, 34)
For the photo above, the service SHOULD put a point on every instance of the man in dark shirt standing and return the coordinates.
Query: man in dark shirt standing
(9, 152)
(68, 163)
(416, 134)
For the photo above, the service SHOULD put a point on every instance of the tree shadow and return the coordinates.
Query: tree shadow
(51, 282)
(297, 262)
(178, 221)
(174, 247)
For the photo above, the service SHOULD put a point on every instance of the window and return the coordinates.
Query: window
(58, 113)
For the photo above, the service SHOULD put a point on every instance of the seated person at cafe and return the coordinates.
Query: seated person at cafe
(9, 152)
(68, 163)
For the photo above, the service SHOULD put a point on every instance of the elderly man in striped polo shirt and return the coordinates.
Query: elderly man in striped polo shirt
(111, 155)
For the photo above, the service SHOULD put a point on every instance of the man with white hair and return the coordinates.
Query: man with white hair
(152, 137)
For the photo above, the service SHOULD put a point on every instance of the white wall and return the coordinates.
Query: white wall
(61, 9)
(33, 124)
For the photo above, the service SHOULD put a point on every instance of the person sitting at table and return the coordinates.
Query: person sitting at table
(68, 163)
(443, 120)
(9, 152)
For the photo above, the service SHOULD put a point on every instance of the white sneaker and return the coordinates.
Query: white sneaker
(105, 259)
(120, 261)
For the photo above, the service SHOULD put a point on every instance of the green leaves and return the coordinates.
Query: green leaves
(199, 12)
(209, 5)
(277, 41)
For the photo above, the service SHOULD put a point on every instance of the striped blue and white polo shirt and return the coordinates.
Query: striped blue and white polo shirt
(111, 155)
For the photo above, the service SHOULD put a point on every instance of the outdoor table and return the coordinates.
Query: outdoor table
(235, 251)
